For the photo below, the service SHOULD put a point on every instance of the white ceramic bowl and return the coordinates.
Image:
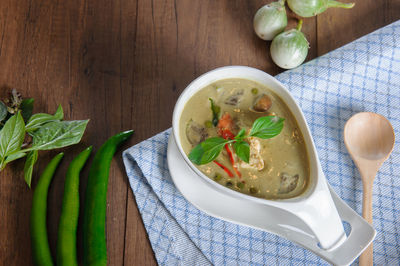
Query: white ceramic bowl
(315, 206)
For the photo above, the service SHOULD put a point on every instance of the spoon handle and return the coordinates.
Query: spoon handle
(366, 258)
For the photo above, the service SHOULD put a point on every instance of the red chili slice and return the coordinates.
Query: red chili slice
(224, 168)
(232, 160)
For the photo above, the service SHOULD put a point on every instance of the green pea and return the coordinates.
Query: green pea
(253, 190)
(208, 124)
(254, 91)
(217, 177)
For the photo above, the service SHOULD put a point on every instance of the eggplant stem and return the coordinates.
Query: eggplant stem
(333, 3)
(299, 25)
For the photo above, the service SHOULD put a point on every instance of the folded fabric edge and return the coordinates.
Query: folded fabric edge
(182, 247)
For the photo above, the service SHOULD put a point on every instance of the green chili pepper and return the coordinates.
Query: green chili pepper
(94, 218)
(40, 244)
(66, 241)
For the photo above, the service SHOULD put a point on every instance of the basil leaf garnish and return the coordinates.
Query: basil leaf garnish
(267, 127)
(242, 149)
(208, 150)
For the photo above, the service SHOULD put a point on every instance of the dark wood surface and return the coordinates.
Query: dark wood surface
(123, 63)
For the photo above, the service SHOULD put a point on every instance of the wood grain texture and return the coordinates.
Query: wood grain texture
(123, 64)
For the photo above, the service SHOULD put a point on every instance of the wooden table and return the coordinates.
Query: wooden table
(123, 63)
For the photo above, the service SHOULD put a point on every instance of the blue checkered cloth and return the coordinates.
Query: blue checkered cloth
(361, 76)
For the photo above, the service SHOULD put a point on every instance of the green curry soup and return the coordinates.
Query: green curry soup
(278, 167)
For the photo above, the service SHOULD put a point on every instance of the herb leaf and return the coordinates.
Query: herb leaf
(14, 156)
(208, 150)
(11, 137)
(37, 120)
(241, 134)
(3, 111)
(215, 112)
(28, 168)
(242, 149)
(267, 127)
(26, 108)
(58, 134)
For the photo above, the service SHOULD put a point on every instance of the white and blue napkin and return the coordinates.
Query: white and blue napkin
(361, 76)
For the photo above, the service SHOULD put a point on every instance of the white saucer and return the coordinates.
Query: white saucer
(267, 218)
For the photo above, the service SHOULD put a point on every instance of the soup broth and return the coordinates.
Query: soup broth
(278, 167)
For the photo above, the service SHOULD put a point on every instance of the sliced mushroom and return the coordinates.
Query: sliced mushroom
(235, 98)
(288, 183)
(262, 104)
(195, 132)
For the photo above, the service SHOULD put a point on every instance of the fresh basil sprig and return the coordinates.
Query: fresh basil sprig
(208, 150)
(264, 128)
(47, 131)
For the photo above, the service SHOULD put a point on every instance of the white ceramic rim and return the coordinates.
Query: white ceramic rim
(277, 87)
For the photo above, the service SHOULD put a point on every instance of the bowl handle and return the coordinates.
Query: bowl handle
(319, 213)
(344, 252)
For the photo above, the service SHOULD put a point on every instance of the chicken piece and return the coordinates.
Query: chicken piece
(255, 161)
(288, 183)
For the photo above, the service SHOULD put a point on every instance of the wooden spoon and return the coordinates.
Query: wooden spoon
(369, 138)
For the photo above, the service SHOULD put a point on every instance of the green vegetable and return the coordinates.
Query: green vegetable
(208, 124)
(27, 108)
(208, 150)
(264, 127)
(47, 132)
(3, 111)
(290, 48)
(215, 112)
(37, 120)
(66, 241)
(58, 134)
(240, 185)
(40, 244)
(267, 127)
(94, 218)
(217, 177)
(242, 149)
(11, 137)
(29, 164)
(310, 8)
(253, 190)
(241, 134)
(270, 20)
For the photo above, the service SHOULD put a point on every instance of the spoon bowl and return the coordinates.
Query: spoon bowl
(369, 136)
(370, 139)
